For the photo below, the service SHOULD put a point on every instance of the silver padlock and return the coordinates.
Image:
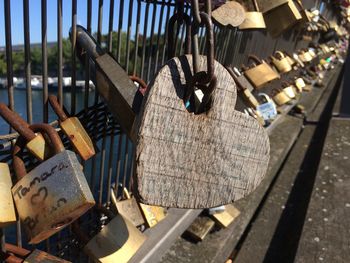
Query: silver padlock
(53, 194)
(268, 108)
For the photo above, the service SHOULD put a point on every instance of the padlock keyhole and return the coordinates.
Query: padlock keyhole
(195, 103)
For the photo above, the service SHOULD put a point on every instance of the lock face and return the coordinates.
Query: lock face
(153, 214)
(224, 219)
(281, 98)
(261, 75)
(249, 98)
(129, 209)
(253, 20)
(267, 5)
(39, 147)
(78, 136)
(7, 207)
(267, 110)
(118, 241)
(200, 228)
(289, 91)
(281, 62)
(51, 196)
(41, 256)
(300, 84)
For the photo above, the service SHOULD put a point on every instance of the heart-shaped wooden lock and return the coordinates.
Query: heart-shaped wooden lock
(189, 160)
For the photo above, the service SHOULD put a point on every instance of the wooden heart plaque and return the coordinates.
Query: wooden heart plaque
(189, 160)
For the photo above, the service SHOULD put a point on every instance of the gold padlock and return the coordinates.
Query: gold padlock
(305, 56)
(261, 73)
(36, 143)
(288, 89)
(225, 218)
(253, 19)
(280, 97)
(152, 214)
(128, 207)
(267, 5)
(118, 241)
(74, 130)
(200, 228)
(280, 19)
(280, 61)
(299, 83)
(7, 207)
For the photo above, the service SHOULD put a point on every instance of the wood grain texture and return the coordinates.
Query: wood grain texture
(196, 161)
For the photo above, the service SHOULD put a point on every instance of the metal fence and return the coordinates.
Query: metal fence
(136, 35)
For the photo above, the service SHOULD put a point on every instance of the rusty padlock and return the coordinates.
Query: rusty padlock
(35, 142)
(15, 254)
(282, 18)
(53, 194)
(280, 97)
(128, 207)
(74, 130)
(253, 19)
(7, 207)
(261, 73)
(118, 241)
(280, 61)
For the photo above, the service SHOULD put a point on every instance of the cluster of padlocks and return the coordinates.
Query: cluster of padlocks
(195, 147)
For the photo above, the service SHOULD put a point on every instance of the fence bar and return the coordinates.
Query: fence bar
(120, 27)
(138, 15)
(74, 65)
(110, 25)
(60, 53)
(9, 66)
(44, 58)
(128, 33)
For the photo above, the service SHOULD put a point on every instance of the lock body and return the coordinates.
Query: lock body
(130, 210)
(253, 20)
(289, 91)
(267, 5)
(51, 196)
(76, 133)
(153, 214)
(7, 207)
(282, 64)
(200, 228)
(261, 75)
(300, 84)
(39, 147)
(41, 256)
(281, 98)
(249, 98)
(225, 218)
(118, 241)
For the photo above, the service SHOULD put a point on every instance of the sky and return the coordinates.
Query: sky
(35, 18)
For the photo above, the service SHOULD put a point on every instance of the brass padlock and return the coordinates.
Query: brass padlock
(128, 207)
(300, 63)
(253, 19)
(282, 18)
(19, 254)
(7, 207)
(36, 144)
(261, 73)
(225, 218)
(53, 194)
(299, 83)
(118, 241)
(290, 60)
(200, 228)
(244, 87)
(305, 56)
(280, 97)
(152, 214)
(267, 5)
(280, 61)
(74, 130)
(288, 89)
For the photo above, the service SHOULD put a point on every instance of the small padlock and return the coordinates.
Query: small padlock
(7, 207)
(74, 130)
(16, 254)
(305, 56)
(280, 61)
(299, 83)
(200, 228)
(53, 194)
(267, 108)
(280, 97)
(118, 241)
(35, 142)
(152, 214)
(128, 207)
(288, 89)
(289, 58)
(253, 19)
(280, 19)
(298, 60)
(260, 74)
(225, 218)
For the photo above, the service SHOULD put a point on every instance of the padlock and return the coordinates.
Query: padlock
(7, 207)
(53, 194)
(288, 89)
(260, 74)
(289, 58)
(267, 108)
(118, 241)
(200, 228)
(267, 5)
(35, 142)
(229, 14)
(152, 214)
(280, 61)
(244, 87)
(253, 19)
(128, 207)
(256, 115)
(298, 60)
(280, 97)
(16, 254)
(74, 130)
(225, 218)
(305, 56)
(282, 18)
(299, 84)
(305, 14)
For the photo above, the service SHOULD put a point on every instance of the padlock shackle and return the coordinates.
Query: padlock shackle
(53, 100)
(16, 122)
(254, 58)
(280, 54)
(143, 85)
(17, 162)
(87, 42)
